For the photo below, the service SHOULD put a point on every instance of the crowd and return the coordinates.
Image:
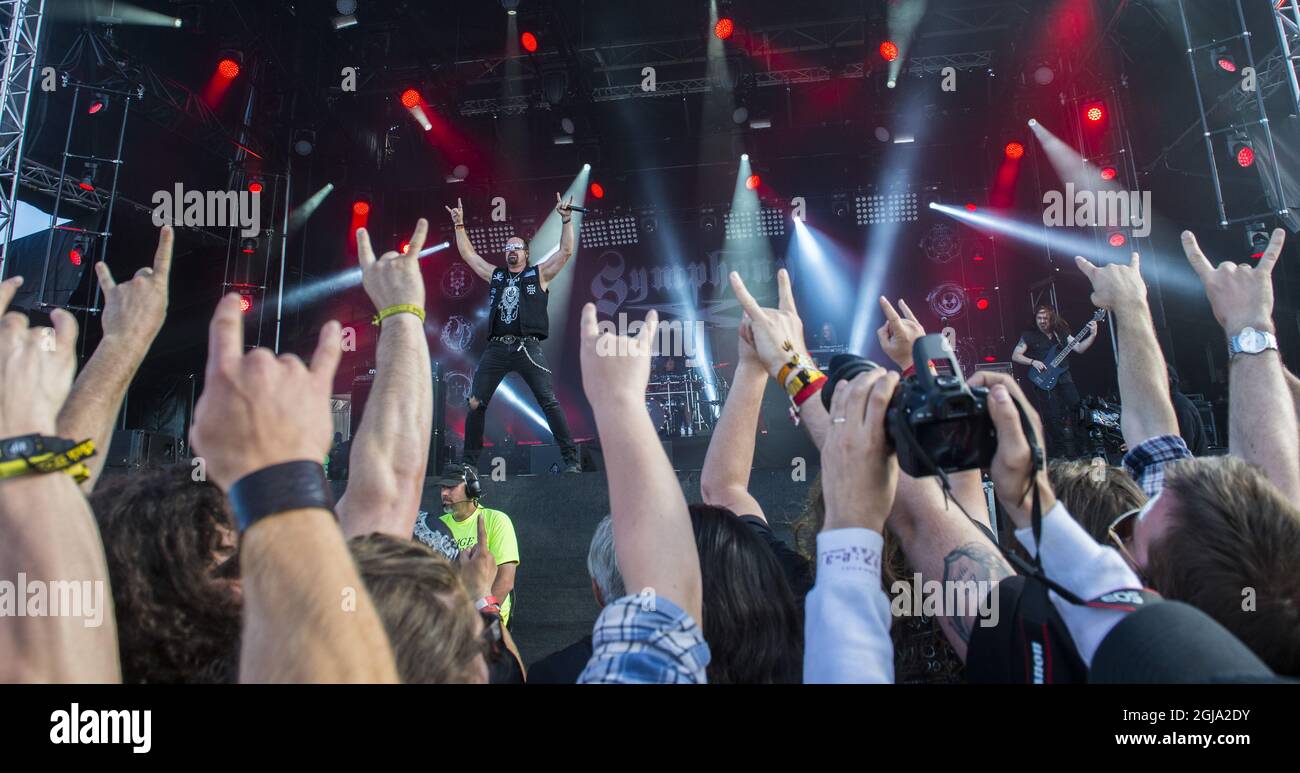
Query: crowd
(242, 567)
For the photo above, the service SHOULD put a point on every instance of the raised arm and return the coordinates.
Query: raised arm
(263, 425)
(391, 447)
(133, 315)
(653, 538)
(553, 265)
(1148, 411)
(847, 618)
(49, 532)
(724, 481)
(1261, 413)
(939, 540)
(463, 246)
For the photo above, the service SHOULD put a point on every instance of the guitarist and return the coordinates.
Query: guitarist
(1056, 406)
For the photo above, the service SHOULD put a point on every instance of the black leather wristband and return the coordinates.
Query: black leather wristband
(279, 488)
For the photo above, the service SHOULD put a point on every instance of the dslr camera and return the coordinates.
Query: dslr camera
(936, 421)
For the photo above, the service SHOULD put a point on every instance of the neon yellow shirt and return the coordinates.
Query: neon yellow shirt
(501, 541)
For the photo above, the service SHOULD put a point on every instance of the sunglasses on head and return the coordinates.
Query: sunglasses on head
(1120, 531)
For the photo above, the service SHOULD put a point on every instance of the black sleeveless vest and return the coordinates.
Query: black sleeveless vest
(526, 299)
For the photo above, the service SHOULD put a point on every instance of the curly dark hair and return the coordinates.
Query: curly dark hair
(177, 617)
(922, 653)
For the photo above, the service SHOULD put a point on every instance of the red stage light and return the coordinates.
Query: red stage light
(74, 256)
(990, 358)
(96, 105)
(597, 191)
(723, 29)
(361, 208)
(1245, 156)
(978, 258)
(1109, 173)
(1094, 113)
(529, 41)
(753, 181)
(245, 304)
(255, 186)
(1226, 64)
(405, 248)
(982, 304)
(888, 51)
(970, 206)
(85, 186)
(228, 68)
(410, 98)
(1117, 239)
(1015, 150)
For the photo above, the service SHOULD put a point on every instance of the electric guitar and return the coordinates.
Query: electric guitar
(1046, 379)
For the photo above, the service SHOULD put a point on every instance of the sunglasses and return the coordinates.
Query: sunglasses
(1120, 532)
(515, 248)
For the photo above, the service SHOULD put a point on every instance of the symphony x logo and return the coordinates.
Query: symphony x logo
(1106, 209)
(208, 209)
(673, 339)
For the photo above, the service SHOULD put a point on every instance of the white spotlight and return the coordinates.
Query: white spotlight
(890, 83)
(1033, 121)
(744, 156)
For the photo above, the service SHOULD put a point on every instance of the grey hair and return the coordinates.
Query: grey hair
(602, 562)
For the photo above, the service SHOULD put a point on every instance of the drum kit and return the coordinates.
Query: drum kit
(682, 404)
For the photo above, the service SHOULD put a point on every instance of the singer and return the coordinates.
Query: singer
(517, 309)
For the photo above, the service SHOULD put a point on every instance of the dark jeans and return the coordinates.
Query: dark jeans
(525, 358)
(1058, 410)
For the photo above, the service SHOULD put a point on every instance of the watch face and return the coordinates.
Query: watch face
(1252, 341)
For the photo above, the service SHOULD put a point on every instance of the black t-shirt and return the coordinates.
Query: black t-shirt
(563, 667)
(797, 569)
(1037, 345)
(430, 530)
(505, 320)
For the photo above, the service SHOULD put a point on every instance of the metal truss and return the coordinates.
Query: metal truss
(765, 49)
(1286, 14)
(20, 24)
(171, 104)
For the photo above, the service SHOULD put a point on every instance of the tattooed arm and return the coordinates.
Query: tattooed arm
(939, 541)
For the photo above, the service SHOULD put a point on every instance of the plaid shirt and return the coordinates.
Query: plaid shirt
(646, 639)
(1146, 462)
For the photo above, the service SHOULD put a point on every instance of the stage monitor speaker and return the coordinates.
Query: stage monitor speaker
(141, 448)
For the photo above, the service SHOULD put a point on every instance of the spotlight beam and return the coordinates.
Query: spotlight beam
(314, 292)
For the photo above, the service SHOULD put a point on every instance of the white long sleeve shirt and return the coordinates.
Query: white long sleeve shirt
(1077, 563)
(846, 614)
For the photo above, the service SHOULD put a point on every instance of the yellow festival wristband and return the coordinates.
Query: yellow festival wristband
(401, 308)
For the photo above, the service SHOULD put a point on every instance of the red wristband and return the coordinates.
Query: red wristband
(812, 388)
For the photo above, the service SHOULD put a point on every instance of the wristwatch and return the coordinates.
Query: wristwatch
(1251, 341)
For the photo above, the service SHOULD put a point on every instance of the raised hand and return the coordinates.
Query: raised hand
(1241, 296)
(777, 333)
(259, 410)
(478, 567)
(394, 278)
(1115, 287)
(36, 367)
(1012, 464)
(899, 333)
(457, 214)
(134, 310)
(565, 208)
(615, 368)
(859, 469)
